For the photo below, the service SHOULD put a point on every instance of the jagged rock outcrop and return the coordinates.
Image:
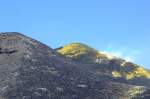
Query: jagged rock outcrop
(32, 70)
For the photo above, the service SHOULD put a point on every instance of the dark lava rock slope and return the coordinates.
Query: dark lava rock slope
(31, 70)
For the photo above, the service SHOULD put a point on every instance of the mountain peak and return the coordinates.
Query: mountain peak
(14, 36)
(116, 66)
(11, 34)
(79, 50)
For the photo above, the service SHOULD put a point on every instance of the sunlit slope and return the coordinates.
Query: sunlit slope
(115, 66)
(79, 51)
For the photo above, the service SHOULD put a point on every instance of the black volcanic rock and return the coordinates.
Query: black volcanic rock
(32, 70)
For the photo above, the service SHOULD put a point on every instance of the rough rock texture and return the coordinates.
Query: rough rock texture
(104, 63)
(31, 70)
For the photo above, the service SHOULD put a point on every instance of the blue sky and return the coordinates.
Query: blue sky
(117, 26)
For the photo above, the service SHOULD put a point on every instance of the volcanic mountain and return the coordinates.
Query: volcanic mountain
(32, 70)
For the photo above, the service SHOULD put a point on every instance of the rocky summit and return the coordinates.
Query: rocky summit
(32, 70)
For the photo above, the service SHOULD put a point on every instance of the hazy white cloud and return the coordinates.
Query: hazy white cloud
(126, 53)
